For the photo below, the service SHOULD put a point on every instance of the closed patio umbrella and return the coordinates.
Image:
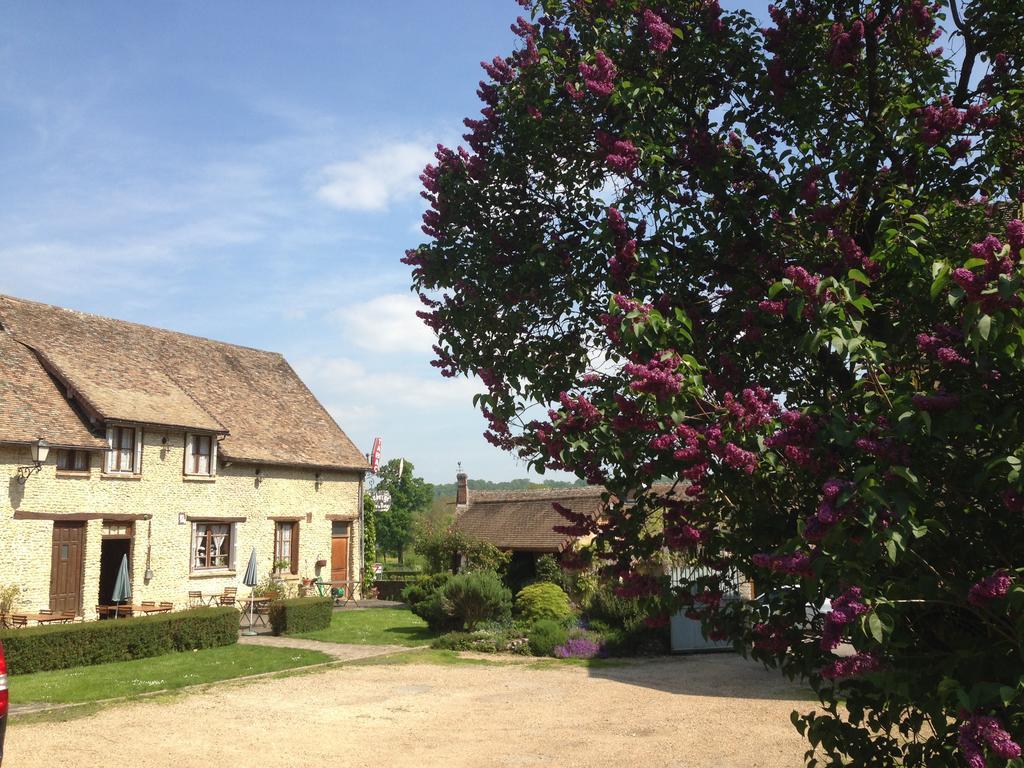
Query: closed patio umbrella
(122, 586)
(250, 579)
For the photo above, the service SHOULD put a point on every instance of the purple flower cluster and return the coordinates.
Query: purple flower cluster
(983, 730)
(499, 70)
(770, 638)
(659, 32)
(657, 377)
(989, 588)
(753, 408)
(794, 564)
(845, 610)
(846, 44)
(850, 666)
(578, 413)
(938, 345)
(599, 77)
(937, 403)
(621, 155)
(580, 524)
(939, 121)
(740, 459)
(578, 648)
(775, 307)
(829, 513)
(802, 279)
(624, 263)
(796, 439)
(1015, 236)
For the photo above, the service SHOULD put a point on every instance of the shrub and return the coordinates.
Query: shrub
(480, 641)
(548, 569)
(543, 600)
(583, 646)
(424, 598)
(62, 646)
(641, 640)
(9, 597)
(610, 609)
(473, 597)
(423, 588)
(300, 614)
(442, 548)
(546, 635)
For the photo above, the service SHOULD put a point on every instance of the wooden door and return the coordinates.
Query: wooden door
(339, 558)
(67, 566)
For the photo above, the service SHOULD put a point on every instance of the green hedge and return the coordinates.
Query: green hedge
(300, 614)
(62, 646)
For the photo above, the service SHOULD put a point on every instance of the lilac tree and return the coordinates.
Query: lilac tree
(780, 267)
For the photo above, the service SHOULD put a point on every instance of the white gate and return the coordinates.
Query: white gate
(687, 636)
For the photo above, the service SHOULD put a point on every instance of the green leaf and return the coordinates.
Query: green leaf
(906, 474)
(860, 277)
(985, 326)
(875, 626)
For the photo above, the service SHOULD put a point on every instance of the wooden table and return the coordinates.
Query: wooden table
(129, 610)
(39, 618)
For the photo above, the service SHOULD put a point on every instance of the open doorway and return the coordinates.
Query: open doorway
(115, 544)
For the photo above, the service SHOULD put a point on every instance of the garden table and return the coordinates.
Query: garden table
(259, 605)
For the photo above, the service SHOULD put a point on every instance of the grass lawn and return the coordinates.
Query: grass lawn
(374, 626)
(160, 673)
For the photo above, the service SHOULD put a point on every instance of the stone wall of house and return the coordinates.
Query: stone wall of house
(163, 543)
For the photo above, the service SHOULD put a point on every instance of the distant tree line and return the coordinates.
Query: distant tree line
(522, 484)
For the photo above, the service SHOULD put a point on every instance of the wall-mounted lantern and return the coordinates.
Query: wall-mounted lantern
(318, 480)
(40, 450)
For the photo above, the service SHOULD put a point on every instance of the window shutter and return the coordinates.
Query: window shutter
(234, 546)
(295, 548)
(188, 454)
(109, 461)
(213, 455)
(137, 464)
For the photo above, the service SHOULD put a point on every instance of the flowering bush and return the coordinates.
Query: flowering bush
(580, 647)
(782, 268)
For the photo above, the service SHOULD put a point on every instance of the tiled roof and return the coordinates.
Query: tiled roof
(524, 520)
(31, 404)
(128, 372)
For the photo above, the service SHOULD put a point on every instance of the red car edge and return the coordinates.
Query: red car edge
(4, 700)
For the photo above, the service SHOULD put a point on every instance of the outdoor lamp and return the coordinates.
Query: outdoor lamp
(40, 449)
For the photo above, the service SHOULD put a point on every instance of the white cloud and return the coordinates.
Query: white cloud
(387, 323)
(377, 178)
(347, 385)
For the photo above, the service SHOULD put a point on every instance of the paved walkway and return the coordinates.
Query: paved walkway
(338, 651)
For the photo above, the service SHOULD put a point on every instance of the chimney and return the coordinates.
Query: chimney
(462, 489)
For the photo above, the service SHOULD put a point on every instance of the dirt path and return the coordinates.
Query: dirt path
(677, 713)
(339, 651)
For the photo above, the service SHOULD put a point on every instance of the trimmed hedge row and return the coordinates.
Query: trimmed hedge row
(61, 646)
(300, 614)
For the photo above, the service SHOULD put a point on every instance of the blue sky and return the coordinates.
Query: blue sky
(248, 172)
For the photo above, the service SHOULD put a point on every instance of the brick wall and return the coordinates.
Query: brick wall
(163, 543)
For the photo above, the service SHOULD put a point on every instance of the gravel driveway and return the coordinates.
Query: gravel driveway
(687, 711)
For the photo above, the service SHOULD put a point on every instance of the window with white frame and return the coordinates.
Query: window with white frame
(212, 546)
(125, 453)
(200, 455)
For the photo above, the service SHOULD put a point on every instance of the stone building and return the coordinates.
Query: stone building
(181, 452)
